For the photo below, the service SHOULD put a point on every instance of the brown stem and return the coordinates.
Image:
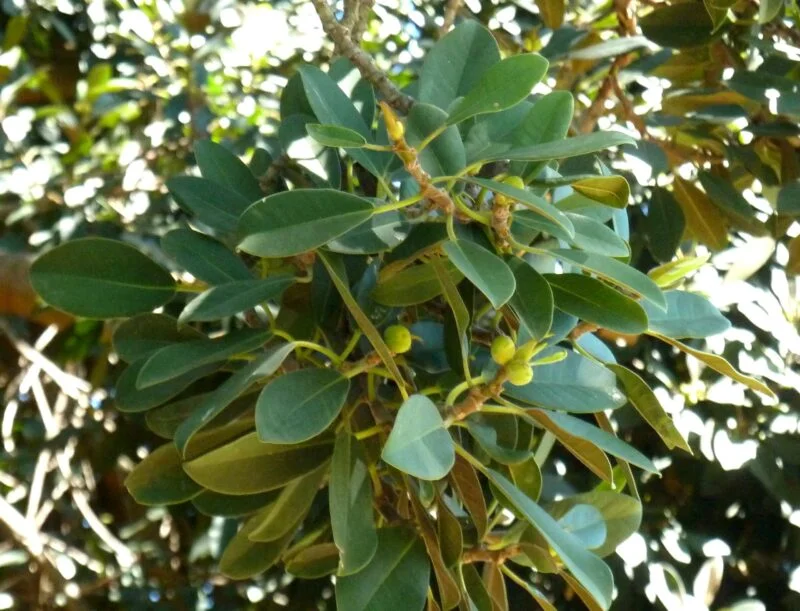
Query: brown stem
(498, 556)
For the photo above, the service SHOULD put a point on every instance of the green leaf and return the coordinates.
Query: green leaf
(576, 384)
(526, 225)
(178, 359)
(532, 301)
(221, 166)
(144, 334)
(503, 85)
(213, 403)
(445, 155)
(587, 568)
(455, 64)
(100, 278)
(160, 480)
(498, 435)
(529, 200)
(664, 224)
(595, 237)
(204, 257)
(593, 301)
(678, 25)
(350, 503)
(609, 48)
(560, 149)
(719, 364)
(727, 197)
(614, 272)
(300, 405)
(768, 10)
(248, 466)
(234, 298)
(789, 199)
(488, 272)
(228, 506)
(466, 483)
(412, 285)
(461, 315)
(293, 222)
(548, 120)
(527, 476)
(214, 205)
(283, 515)
(586, 523)
(612, 191)
(335, 136)
(645, 402)
(244, 558)
(688, 315)
(381, 232)
(419, 443)
(396, 577)
(312, 562)
(130, 398)
(621, 515)
(670, 273)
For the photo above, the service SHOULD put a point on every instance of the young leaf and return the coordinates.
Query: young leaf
(532, 301)
(488, 272)
(670, 273)
(234, 298)
(300, 405)
(204, 257)
(335, 136)
(419, 443)
(293, 222)
(160, 480)
(688, 315)
(100, 278)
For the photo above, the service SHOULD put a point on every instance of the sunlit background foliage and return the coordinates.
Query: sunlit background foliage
(100, 103)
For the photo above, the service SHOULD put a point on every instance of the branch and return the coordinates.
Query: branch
(345, 46)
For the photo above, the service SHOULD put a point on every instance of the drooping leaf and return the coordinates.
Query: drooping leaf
(244, 558)
(145, 334)
(350, 502)
(532, 301)
(100, 278)
(234, 298)
(688, 315)
(335, 135)
(221, 166)
(300, 405)
(204, 257)
(593, 301)
(160, 480)
(488, 272)
(396, 577)
(212, 204)
(419, 443)
(293, 222)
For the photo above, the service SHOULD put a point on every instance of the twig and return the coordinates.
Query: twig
(343, 41)
(450, 12)
(360, 26)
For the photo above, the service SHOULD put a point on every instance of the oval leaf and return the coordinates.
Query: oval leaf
(234, 298)
(688, 315)
(160, 480)
(204, 257)
(488, 272)
(335, 136)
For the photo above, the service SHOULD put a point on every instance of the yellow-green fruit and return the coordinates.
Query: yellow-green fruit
(503, 349)
(514, 181)
(519, 373)
(398, 338)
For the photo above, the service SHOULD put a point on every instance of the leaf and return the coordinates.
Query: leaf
(703, 219)
(219, 165)
(381, 232)
(479, 598)
(419, 443)
(248, 466)
(588, 569)
(719, 364)
(130, 398)
(595, 237)
(621, 515)
(466, 484)
(687, 315)
(532, 301)
(234, 298)
(488, 272)
(455, 64)
(586, 523)
(645, 402)
(575, 384)
(593, 301)
(445, 155)
(551, 12)
(223, 505)
(461, 314)
(173, 361)
(335, 136)
(527, 477)
(526, 225)
(529, 200)
(396, 577)
(144, 334)
(204, 257)
(609, 48)
(614, 272)
(413, 285)
(313, 562)
(350, 504)
(159, 479)
(727, 197)
(664, 224)
(789, 199)
(451, 537)
(669, 273)
(501, 86)
(560, 149)
(548, 120)
(100, 278)
(289, 509)
(244, 558)
(497, 434)
(215, 402)
(300, 405)
(678, 25)
(293, 222)
(612, 191)
(768, 10)
(212, 204)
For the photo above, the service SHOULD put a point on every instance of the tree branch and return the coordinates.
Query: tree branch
(345, 46)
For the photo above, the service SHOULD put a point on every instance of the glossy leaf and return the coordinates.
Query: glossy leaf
(100, 278)
(419, 443)
(586, 523)
(160, 480)
(596, 237)
(488, 272)
(204, 257)
(234, 298)
(221, 166)
(335, 135)
(445, 154)
(379, 233)
(293, 222)
(612, 191)
(688, 315)
(300, 405)
(145, 334)
(212, 204)
(413, 285)
(532, 301)
(244, 558)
